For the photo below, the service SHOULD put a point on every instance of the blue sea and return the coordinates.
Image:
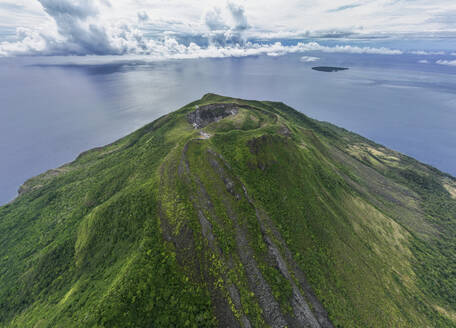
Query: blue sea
(51, 109)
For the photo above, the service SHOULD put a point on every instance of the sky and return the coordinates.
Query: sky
(217, 28)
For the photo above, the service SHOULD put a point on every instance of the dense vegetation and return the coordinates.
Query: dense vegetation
(262, 218)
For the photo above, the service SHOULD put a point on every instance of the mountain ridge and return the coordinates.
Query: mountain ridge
(234, 213)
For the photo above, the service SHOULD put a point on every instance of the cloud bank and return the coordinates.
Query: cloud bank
(427, 53)
(446, 62)
(80, 31)
(217, 28)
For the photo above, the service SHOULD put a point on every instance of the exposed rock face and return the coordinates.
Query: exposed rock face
(207, 114)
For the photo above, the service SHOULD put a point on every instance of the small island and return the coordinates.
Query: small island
(329, 69)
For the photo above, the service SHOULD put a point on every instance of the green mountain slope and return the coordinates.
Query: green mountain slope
(232, 213)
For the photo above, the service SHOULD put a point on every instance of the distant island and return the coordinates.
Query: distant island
(329, 68)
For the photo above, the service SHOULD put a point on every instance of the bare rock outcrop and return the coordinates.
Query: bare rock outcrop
(207, 114)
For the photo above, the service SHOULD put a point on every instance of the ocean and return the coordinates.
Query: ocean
(52, 109)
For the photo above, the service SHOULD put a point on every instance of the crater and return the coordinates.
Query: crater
(205, 115)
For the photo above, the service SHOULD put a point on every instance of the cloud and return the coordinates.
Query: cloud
(63, 10)
(12, 6)
(234, 20)
(446, 62)
(427, 53)
(308, 59)
(214, 20)
(314, 46)
(81, 27)
(143, 16)
(28, 42)
(79, 30)
(423, 61)
(238, 16)
(226, 25)
(342, 8)
(274, 49)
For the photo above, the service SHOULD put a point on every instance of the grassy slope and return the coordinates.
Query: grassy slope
(124, 235)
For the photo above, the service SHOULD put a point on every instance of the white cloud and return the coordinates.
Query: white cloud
(214, 20)
(446, 62)
(427, 53)
(276, 49)
(423, 61)
(308, 59)
(28, 42)
(314, 46)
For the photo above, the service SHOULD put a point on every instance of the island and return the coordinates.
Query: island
(329, 69)
(232, 213)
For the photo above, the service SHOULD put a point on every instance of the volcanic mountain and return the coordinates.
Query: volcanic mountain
(232, 213)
